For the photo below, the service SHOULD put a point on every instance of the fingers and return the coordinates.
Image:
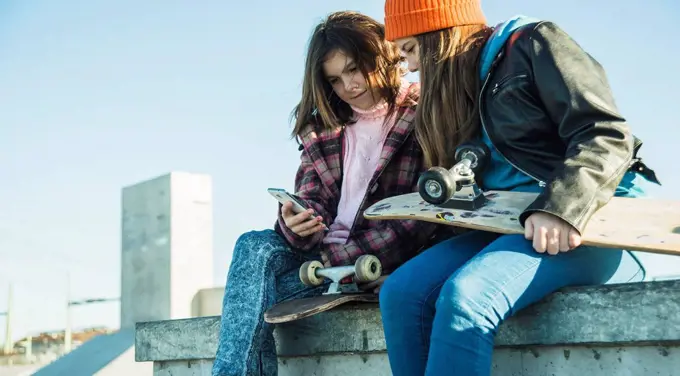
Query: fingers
(373, 285)
(370, 285)
(292, 219)
(550, 234)
(564, 240)
(301, 223)
(287, 210)
(529, 229)
(367, 286)
(574, 238)
(308, 227)
(308, 224)
(553, 240)
(310, 231)
(540, 238)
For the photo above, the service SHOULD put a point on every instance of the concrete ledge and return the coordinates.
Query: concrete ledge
(184, 339)
(635, 314)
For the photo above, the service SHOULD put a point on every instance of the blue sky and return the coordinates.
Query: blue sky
(95, 96)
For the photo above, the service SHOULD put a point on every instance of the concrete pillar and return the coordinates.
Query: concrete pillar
(167, 246)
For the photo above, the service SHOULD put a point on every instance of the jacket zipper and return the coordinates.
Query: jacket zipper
(498, 84)
(541, 183)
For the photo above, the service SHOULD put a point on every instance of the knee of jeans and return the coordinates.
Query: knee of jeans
(256, 243)
(396, 292)
(468, 304)
(389, 293)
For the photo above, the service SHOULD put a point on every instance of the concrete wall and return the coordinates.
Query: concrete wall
(191, 268)
(166, 254)
(628, 329)
(207, 302)
(166, 246)
(145, 252)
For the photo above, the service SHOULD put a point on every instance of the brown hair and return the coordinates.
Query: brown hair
(448, 109)
(361, 38)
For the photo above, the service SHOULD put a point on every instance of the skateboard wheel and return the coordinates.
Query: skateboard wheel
(436, 185)
(308, 273)
(367, 268)
(478, 154)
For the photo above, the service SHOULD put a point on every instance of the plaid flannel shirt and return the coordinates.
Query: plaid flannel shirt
(318, 183)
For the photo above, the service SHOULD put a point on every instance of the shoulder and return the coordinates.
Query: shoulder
(312, 135)
(412, 91)
(535, 37)
(406, 107)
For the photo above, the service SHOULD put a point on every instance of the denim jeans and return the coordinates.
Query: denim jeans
(263, 271)
(441, 309)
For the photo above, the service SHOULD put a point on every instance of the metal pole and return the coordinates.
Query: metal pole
(67, 332)
(69, 306)
(8, 324)
(29, 348)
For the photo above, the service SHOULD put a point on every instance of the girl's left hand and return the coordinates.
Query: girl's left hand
(375, 285)
(551, 233)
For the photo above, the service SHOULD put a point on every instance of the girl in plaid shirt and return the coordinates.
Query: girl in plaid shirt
(355, 125)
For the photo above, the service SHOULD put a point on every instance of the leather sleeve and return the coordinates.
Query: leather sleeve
(576, 96)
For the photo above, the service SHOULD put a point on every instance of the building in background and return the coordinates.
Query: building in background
(166, 258)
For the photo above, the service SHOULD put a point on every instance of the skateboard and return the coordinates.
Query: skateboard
(452, 197)
(312, 273)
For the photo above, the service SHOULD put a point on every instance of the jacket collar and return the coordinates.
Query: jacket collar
(325, 152)
(325, 149)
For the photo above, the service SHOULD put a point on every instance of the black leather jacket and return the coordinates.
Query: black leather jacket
(548, 109)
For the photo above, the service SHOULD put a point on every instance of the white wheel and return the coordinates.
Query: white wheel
(308, 273)
(367, 268)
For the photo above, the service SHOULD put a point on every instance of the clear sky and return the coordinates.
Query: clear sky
(95, 96)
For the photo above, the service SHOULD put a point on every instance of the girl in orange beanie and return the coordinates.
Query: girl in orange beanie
(543, 108)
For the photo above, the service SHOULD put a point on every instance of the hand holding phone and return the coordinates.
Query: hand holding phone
(297, 217)
(303, 223)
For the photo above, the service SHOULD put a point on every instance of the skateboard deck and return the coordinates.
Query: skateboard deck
(367, 268)
(635, 224)
(300, 308)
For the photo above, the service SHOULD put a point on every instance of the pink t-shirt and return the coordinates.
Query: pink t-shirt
(363, 143)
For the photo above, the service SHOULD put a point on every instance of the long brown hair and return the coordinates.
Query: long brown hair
(448, 109)
(361, 38)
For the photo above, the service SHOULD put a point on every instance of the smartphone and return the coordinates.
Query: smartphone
(283, 196)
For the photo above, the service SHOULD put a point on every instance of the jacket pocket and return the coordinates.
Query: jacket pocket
(509, 82)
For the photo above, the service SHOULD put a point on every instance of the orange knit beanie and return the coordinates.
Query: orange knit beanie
(404, 18)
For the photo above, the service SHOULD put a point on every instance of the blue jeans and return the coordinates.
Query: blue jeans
(441, 309)
(263, 271)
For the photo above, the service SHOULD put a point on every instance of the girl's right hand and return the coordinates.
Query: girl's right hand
(301, 223)
(551, 233)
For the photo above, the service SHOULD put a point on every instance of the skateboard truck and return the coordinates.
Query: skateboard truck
(366, 269)
(456, 188)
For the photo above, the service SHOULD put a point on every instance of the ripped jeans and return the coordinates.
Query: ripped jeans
(263, 271)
